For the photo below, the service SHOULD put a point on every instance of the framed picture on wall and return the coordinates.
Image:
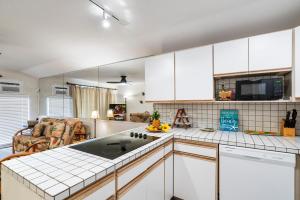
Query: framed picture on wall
(119, 111)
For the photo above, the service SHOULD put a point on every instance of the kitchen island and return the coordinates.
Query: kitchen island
(67, 173)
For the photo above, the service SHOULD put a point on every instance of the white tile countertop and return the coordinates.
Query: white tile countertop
(59, 173)
(240, 139)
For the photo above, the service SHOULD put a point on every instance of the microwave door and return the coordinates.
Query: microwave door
(252, 90)
(260, 90)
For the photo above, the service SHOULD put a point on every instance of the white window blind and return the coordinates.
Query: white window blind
(14, 113)
(59, 106)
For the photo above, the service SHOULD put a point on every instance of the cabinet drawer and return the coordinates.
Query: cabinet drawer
(134, 169)
(206, 151)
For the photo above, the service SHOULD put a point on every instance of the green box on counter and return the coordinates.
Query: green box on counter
(229, 120)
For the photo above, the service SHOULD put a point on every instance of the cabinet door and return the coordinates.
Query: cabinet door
(194, 178)
(297, 62)
(138, 191)
(231, 57)
(155, 183)
(159, 78)
(270, 51)
(194, 74)
(169, 178)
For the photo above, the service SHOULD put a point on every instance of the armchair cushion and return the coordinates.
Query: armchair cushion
(38, 130)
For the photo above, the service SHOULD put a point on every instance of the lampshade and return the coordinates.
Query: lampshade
(95, 114)
(110, 113)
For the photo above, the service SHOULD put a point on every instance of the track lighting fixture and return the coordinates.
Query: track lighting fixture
(105, 20)
(108, 16)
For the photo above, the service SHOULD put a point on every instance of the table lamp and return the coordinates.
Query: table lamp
(95, 116)
(110, 114)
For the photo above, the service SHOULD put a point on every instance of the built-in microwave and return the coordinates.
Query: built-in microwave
(262, 89)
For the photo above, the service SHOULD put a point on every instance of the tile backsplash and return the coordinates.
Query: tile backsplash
(252, 116)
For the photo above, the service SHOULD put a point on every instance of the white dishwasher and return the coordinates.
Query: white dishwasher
(250, 174)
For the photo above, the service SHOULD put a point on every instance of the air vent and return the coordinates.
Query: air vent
(60, 90)
(10, 87)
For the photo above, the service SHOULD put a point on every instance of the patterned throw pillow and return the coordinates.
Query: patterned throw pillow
(38, 130)
(66, 136)
(57, 130)
(47, 131)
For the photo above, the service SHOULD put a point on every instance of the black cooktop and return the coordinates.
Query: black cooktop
(115, 146)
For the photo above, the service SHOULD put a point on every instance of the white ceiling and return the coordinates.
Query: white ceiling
(48, 37)
(133, 69)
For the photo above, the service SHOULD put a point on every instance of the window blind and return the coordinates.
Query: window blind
(59, 106)
(14, 113)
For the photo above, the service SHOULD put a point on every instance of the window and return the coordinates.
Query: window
(59, 106)
(14, 113)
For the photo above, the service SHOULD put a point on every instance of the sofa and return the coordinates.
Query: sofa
(49, 133)
(140, 117)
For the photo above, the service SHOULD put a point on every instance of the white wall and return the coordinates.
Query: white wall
(133, 94)
(45, 85)
(30, 88)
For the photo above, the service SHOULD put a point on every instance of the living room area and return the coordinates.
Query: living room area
(40, 113)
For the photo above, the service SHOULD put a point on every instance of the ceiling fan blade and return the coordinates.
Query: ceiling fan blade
(113, 82)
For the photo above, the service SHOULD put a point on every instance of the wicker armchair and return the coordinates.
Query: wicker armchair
(49, 138)
(23, 139)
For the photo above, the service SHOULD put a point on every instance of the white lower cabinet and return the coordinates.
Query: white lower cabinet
(138, 192)
(194, 179)
(155, 183)
(169, 180)
(148, 187)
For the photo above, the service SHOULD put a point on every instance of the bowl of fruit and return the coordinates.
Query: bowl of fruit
(156, 126)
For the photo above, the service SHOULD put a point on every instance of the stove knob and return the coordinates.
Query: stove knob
(136, 135)
(145, 136)
(131, 134)
(140, 135)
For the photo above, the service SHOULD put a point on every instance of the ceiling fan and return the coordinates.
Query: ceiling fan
(122, 81)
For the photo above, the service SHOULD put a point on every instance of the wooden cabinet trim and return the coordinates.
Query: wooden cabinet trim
(285, 69)
(93, 188)
(160, 101)
(191, 155)
(168, 142)
(194, 101)
(136, 180)
(197, 143)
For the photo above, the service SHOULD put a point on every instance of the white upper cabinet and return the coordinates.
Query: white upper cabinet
(297, 62)
(159, 78)
(194, 74)
(270, 51)
(231, 57)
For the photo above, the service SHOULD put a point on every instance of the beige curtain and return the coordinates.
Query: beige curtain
(86, 100)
